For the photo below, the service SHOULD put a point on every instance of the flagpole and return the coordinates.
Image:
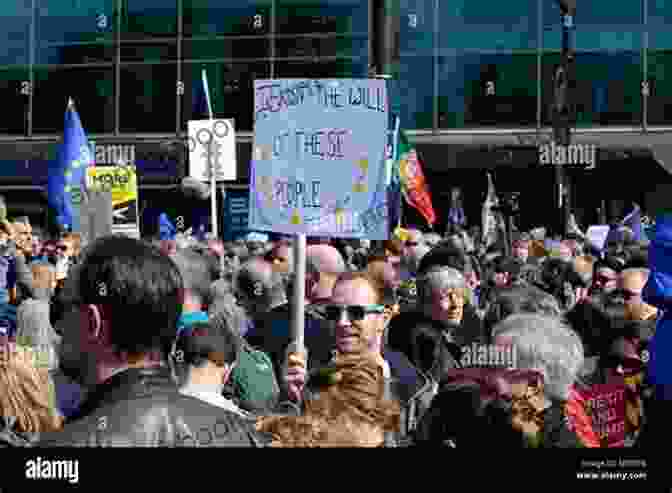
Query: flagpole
(395, 157)
(211, 163)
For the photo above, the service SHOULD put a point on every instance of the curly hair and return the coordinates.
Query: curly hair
(351, 401)
(27, 392)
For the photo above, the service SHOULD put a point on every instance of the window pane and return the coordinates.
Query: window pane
(660, 87)
(161, 51)
(600, 25)
(142, 19)
(15, 104)
(92, 89)
(147, 100)
(659, 20)
(416, 27)
(210, 49)
(231, 91)
(74, 32)
(204, 18)
(488, 25)
(321, 69)
(607, 88)
(315, 16)
(487, 64)
(478, 90)
(15, 32)
(411, 97)
(331, 46)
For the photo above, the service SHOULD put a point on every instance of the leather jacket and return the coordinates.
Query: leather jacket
(143, 408)
(10, 438)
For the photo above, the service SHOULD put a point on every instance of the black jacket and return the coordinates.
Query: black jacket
(143, 408)
(432, 347)
(10, 438)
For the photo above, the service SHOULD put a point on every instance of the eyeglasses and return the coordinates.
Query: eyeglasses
(355, 313)
(604, 279)
(627, 295)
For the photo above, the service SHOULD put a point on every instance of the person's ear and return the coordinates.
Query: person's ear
(94, 322)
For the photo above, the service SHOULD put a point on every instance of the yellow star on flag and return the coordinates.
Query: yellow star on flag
(340, 216)
(296, 218)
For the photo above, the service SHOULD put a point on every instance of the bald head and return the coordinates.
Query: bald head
(324, 264)
(324, 259)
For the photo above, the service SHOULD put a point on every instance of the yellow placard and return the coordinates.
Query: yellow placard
(120, 180)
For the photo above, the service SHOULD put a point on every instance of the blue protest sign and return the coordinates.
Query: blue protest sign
(236, 213)
(318, 161)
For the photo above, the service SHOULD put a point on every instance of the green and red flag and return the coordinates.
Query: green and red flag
(413, 184)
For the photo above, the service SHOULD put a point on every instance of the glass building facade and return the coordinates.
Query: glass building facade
(132, 65)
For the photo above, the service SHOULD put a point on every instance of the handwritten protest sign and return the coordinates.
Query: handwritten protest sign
(605, 404)
(318, 164)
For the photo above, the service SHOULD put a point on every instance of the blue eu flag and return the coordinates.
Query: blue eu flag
(66, 185)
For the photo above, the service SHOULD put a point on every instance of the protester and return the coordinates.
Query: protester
(23, 255)
(323, 266)
(133, 399)
(630, 285)
(357, 316)
(544, 344)
(196, 279)
(432, 336)
(207, 355)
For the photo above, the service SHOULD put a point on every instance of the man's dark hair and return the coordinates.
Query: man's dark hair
(216, 340)
(138, 288)
(196, 273)
(22, 220)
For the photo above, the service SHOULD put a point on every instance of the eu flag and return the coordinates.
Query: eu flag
(66, 185)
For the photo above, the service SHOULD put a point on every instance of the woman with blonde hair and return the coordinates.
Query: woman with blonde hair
(27, 402)
(349, 408)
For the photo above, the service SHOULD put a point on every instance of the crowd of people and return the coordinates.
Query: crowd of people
(189, 343)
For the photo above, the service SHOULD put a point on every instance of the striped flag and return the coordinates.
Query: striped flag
(492, 221)
(413, 184)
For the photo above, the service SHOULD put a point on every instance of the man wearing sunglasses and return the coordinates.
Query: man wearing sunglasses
(356, 315)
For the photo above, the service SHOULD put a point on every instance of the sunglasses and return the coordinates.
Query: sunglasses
(412, 243)
(355, 313)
